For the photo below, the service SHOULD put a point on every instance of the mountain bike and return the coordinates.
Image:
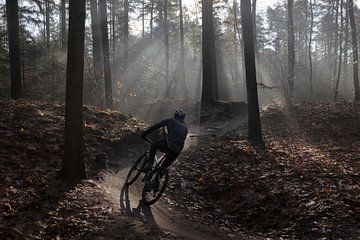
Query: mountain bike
(155, 177)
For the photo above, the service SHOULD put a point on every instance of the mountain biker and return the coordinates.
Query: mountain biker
(173, 143)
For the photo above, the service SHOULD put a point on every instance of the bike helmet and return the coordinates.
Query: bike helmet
(179, 114)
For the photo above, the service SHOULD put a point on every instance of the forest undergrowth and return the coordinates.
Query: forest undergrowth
(34, 202)
(303, 184)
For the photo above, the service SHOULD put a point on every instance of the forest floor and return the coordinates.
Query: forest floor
(303, 184)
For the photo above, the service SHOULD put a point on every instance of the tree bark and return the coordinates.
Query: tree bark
(355, 50)
(336, 90)
(346, 33)
(106, 54)
(96, 44)
(126, 30)
(310, 46)
(254, 131)
(291, 50)
(182, 49)
(253, 15)
(47, 24)
(143, 18)
(14, 47)
(113, 28)
(209, 87)
(346, 43)
(167, 49)
(63, 24)
(236, 62)
(151, 18)
(336, 41)
(73, 163)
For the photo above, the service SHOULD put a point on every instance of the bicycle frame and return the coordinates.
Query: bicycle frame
(157, 161)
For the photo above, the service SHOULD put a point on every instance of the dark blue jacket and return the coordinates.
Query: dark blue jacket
(176, 132)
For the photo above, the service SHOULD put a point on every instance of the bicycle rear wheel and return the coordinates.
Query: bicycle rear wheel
(153, 189)
(136, 169)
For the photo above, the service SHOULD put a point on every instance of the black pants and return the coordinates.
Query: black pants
(162, 146)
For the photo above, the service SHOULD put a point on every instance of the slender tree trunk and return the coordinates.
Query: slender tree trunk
(53, 75)
(73, 163)
(182, 46)
(336, 41)
(346, 44)
(291, 49)
(113, 29)
(47, 24)
(310, 46)
(63, 24)
(167, 49)
(253, 14)
(336, 90)
(235, 26)
(23, 71)
(43, 12)
(12, 14)
(151, 18)
(236, 62)
(96, 46)
(254, 131)
(126, 30)
(209, 89)
(106, 54)
(355, 51)
(143, 18)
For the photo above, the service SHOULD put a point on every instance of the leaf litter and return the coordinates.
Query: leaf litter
(34, 202)
(303, 184)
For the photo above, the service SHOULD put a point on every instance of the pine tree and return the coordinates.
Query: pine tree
(73, 163)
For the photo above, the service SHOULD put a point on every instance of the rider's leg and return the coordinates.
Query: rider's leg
(170, 158)
(160, 145)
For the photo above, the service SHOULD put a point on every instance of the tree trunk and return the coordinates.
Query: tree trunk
(143, 18)
(254, 131)
(106, 54)
(336, 41)
(14, 47)
(236, 62)
(253, 14)
(310, 46)
(209, 87)
(113, 29)
(167, 50)
(182, 49)
(291, 50)
(96, 44)
(23, 58)
(355, 50)
(151, 18)
(47, 24)
(336, 90)
(73, 163)
(346, 44)
(126, 30)
(63, 24)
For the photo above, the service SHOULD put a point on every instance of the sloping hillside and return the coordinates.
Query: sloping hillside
(34, 203)
(303, 184)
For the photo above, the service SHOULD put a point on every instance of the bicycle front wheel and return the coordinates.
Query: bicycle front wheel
(153, 189)
(136, 169)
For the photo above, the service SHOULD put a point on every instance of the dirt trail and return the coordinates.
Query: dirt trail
(127, 199)
(159, 215)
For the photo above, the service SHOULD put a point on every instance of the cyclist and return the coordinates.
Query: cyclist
(173, 143)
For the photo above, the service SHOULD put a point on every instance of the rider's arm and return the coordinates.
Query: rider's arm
(156, 126)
